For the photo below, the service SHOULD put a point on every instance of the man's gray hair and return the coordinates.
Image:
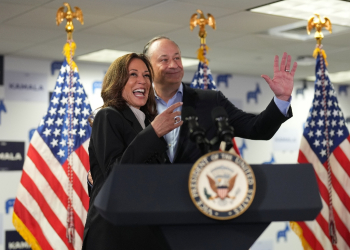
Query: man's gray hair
(150, 42)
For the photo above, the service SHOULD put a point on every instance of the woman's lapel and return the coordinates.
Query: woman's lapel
(130, 116)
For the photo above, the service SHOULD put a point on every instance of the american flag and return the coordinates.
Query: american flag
(326, 143)
(203, 79)
(44, 195)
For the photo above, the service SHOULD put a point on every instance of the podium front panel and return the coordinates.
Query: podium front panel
(159, 195)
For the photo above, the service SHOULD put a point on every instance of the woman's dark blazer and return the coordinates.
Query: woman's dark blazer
(118, 138)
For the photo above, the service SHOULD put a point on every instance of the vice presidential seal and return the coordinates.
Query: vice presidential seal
(222, 185)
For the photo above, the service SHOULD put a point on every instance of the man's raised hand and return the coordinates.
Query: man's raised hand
(283, 78)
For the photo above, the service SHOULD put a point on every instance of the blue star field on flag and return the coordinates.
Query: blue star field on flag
(53, 128)
(315, 131)
(198, 78)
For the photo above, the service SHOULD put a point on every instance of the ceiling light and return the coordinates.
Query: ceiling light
(338, 77)
(103, 56)
(336, 10)
(291, 31)
(108, 56)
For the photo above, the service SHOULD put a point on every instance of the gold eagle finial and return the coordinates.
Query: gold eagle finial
(201, 22)
(69, 15)
(318, 26)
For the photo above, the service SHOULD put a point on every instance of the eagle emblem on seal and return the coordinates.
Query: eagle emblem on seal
(221, 184)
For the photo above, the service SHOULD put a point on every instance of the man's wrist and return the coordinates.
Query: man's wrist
(284, 98)
(282, 105)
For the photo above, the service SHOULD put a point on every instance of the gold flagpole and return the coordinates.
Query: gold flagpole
(68, 51)
(318, 25)
(202, 51)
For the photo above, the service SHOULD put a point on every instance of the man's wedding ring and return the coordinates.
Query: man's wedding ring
(287, 70)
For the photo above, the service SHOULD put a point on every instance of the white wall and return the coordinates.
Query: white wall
(24, 114)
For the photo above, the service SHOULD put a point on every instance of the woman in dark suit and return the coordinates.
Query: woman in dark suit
(125, 130)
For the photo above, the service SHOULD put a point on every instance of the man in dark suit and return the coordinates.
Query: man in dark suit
(165, 57)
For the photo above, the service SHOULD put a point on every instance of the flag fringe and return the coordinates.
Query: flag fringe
(320, 51)
(25, 233)
(200, 55)
(68, 52)
(299, 232)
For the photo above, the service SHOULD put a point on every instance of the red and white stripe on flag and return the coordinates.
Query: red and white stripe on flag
(44, 194)
(40, 210)
(316, 233)
(326, 144)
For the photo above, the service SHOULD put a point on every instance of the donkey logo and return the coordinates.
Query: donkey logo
(254, 94)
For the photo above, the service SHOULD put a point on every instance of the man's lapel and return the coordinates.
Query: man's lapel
(130, 116)
(189, 100)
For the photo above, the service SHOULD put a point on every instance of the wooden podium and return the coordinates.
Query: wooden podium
(158, 195)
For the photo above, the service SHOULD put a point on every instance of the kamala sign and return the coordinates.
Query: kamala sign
(20, 86)
(11, 155)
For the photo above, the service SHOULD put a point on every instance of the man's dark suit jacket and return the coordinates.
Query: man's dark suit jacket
(118, 138)
(249, 126)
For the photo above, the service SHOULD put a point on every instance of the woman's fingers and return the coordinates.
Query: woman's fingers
(168, 120)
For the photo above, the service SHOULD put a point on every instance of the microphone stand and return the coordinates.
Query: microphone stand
(225, 132)
(197, 135)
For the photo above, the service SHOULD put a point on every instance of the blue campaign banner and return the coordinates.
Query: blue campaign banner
(11, 155)
(15, 241)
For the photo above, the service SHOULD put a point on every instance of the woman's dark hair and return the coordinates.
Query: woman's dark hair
(115, 80)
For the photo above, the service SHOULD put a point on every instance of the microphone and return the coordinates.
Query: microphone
(196, 133)
(225, 131)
